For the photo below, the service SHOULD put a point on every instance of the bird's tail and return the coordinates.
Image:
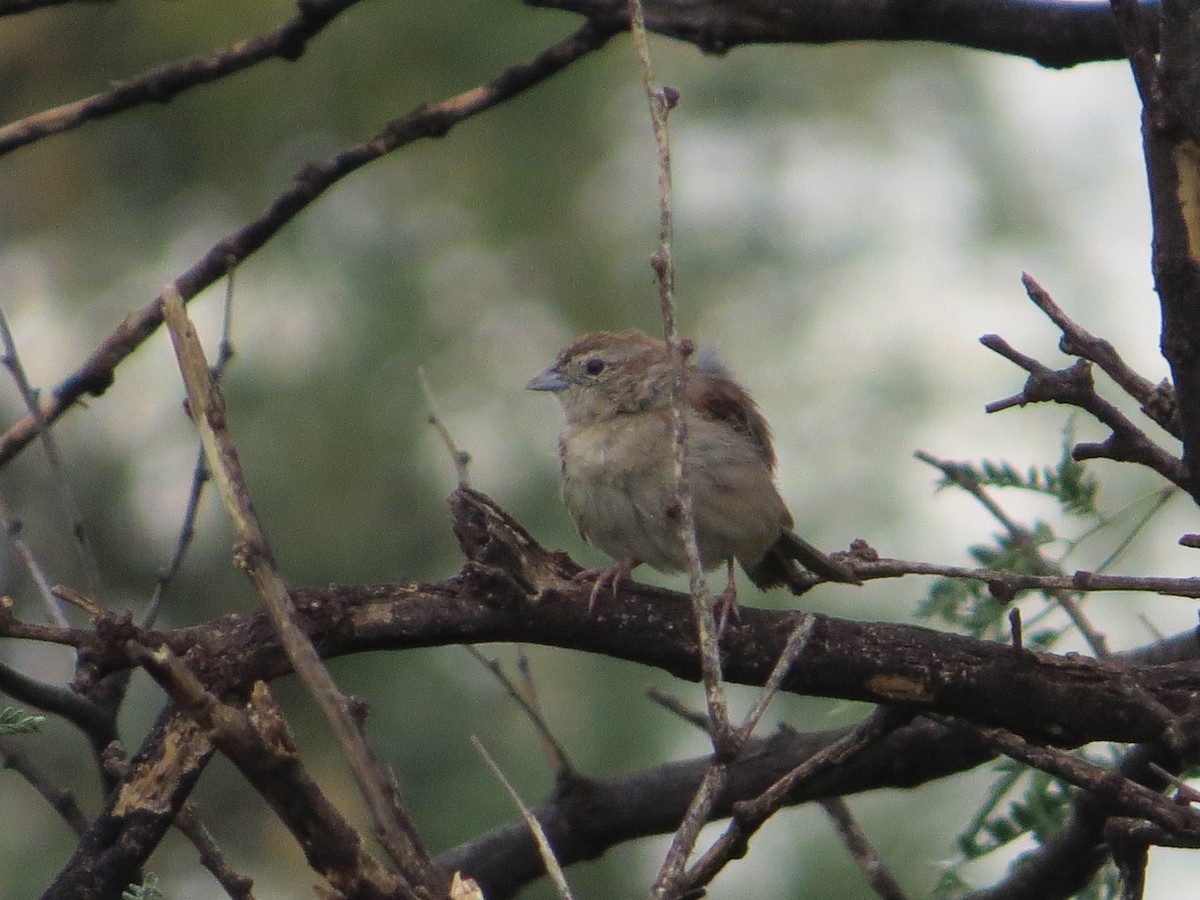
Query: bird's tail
(778, 566)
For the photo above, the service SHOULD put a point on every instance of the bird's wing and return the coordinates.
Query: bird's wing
(717, 397)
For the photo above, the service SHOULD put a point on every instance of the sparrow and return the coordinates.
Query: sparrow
(617, 454)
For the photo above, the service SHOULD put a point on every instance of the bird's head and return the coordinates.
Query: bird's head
(606, 374)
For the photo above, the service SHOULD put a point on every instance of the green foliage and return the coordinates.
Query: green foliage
(1068, 482)
(1023, 804)
(1039, 812)
(14, 721)
(147, 890)
(1020, 548)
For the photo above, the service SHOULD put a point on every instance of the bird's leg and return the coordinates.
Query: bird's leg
(726, 604)
(613, 576)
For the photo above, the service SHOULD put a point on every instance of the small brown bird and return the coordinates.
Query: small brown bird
(617, 466)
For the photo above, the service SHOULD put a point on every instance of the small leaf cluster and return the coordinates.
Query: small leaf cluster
(14, 721)
(147, 890)
(1023, 803)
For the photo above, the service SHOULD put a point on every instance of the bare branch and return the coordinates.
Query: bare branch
(12, 361)
(1157, 400)
(1055, 34)
(1073, 386)
(14, 757)
(1125, 794)
(881, 880)
(289, 41)
(535, 828)
(96, 373)
(253, 554)
(460, 458)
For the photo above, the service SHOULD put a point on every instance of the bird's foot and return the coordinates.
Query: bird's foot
(726, 605)
(612, 576)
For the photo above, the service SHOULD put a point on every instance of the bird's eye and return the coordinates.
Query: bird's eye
(594, 366)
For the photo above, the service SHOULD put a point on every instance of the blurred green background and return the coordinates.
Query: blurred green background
(849, 220)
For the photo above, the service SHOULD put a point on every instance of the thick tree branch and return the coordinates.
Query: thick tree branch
(1053, 33)
(512, 589)
(1170, 95)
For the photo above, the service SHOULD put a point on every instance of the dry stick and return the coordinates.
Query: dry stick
(1008, 582)
(554, 750)
(749, 815)
(673, 704)
(963, 477)
(716, 778)
(555, 753)
(12, 361)
(392, 825)
(63, 802)
(200, 473)
(881, 880)
(188, 822)
(236, 885)
(795, 645)
(1184, 791)
(661, 103)
(255, 738)
(1134, 799)
(161, 84)
(549, 860)
(1157, 401)
(11, 528)
(95, 374)
(1073, 386)
(460, 458)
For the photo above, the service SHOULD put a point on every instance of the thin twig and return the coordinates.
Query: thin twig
(1184, 791)
(12, 528)
(63, 802)
(12, 361)
(1135, 799)
(881, 880)
(748, 816)
(96, 373)
(1012, 582)
(673, 704)
(1156, 401)
(200, 473)
(539, 835)
(376, 783)
(558, 756)
(1073, 386)
(661, 102)
(796, 643)
(161, 84)
(965, 478)
(460, 458)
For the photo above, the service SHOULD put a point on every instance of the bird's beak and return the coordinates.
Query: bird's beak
(549, 380)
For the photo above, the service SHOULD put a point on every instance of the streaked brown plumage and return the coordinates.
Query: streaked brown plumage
(617, 471)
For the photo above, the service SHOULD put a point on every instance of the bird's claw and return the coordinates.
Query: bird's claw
(613, 576)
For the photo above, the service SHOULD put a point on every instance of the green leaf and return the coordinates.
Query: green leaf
(14, 721)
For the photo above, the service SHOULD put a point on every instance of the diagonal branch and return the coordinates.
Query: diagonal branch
(1074, 386)
(96, 373)
(289, 41)
(207, 407)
